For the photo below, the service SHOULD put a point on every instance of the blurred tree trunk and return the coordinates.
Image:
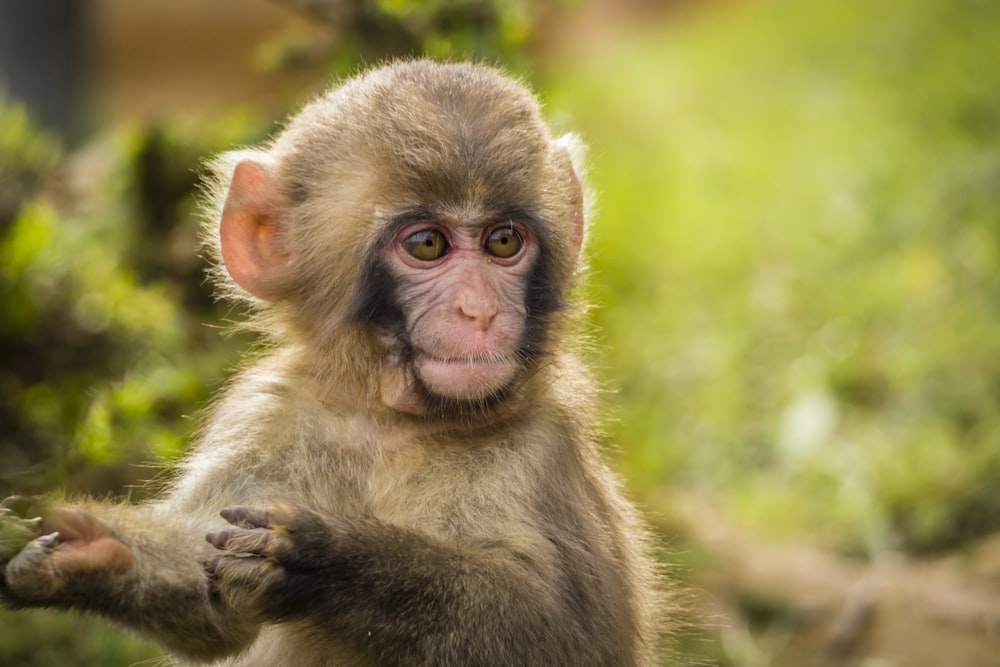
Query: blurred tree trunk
(44, 61)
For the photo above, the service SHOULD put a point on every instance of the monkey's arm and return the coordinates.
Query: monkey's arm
(139, 566)
(402, 597)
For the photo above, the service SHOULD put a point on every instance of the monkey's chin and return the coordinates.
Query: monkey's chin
(464, 379)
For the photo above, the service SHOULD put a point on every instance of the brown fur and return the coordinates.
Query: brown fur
(511, 501)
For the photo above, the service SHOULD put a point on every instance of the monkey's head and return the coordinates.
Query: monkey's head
(421, 211)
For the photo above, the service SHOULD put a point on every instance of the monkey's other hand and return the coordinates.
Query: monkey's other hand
(265, 554)
(59, 545)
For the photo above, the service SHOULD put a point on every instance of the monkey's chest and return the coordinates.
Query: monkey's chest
(421, 483)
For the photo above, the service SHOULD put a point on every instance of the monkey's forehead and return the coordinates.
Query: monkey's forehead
(446, 132)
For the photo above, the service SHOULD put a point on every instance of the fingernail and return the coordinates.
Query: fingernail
(49, 541)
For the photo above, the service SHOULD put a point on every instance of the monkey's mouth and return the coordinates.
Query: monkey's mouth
(464, 377)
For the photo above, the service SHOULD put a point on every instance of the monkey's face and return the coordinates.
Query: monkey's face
(427, 207)
(461, 283)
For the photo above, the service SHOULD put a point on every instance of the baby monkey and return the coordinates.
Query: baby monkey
(410, 474)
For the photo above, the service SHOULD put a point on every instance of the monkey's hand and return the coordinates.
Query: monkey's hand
(265, 553)
(62, 544)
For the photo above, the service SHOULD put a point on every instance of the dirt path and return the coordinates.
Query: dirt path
(798, 606)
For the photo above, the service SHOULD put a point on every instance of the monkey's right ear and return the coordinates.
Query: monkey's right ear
(250, 232)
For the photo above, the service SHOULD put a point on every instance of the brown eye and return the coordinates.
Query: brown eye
(504, 242)
(426, 245)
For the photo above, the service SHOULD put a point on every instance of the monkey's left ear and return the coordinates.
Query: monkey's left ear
(251, 228)
(570, 150)
(578, 221)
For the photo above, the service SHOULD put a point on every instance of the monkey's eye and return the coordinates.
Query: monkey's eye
(504, 242)
(426, 245)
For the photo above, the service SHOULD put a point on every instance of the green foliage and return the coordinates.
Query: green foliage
(25, 155)
(373, 30)
(105, 353)
(47, 638)
(798, 262)
(446, 28)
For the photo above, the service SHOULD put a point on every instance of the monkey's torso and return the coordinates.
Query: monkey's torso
(475, 488)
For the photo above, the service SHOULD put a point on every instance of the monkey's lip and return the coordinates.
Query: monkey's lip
(464, 377)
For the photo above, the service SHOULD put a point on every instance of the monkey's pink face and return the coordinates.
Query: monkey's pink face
(464, 289)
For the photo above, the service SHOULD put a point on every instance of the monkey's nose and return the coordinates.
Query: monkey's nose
(479, 308)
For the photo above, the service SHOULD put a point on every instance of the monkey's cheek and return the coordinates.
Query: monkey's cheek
(464, 379)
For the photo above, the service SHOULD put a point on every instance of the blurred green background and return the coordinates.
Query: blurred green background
(795, 266)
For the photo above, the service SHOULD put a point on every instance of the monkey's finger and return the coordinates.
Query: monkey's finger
(30, 576)
(245, 517)
(222, 564)
(218, 538)
(229, 574)
(257, 541)
(228, 538)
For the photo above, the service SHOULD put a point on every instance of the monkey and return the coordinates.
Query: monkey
(410, 473)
